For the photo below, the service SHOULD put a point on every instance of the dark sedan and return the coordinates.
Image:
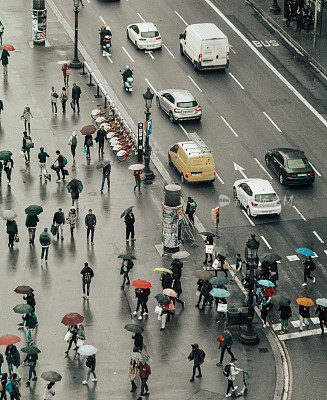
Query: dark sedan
(291, 166)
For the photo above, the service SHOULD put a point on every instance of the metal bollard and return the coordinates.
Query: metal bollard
(90, 83)
(83, 70)
(98, 95)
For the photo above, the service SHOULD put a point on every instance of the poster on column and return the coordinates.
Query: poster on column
(39, 25)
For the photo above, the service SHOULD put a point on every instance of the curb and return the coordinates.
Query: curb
(290, 42)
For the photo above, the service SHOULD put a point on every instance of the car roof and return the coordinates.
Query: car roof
(193, 149)
(179, 94)
(146, 26)
(290, 153)
(206, 30)
(258, 185)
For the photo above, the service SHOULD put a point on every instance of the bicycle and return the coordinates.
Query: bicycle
(123, 154)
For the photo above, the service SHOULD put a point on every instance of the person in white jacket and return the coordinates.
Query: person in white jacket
(72, 142)
(233, 371)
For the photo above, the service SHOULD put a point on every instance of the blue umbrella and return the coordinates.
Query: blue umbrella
(219, 292)
(321, 302)
(305, 252)
(264, 282)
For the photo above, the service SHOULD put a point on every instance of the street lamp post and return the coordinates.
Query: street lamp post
(249, 336)
(76, 62)
(148, 97)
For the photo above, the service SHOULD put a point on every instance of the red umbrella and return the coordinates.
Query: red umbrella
(140, 284)
(9, 339)
(88, 130)
(72, 319)
(8, 47)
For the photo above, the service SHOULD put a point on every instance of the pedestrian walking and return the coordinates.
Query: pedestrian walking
(72, 142)
(49, 392)
(8, 165)
(72, 329)
(132, 370)
(1, 168)
(90, 363)
(12, 231)
(163, 315)
(15, 393)
(72, 217)
(125, 268)
(299, 19)
(265, 307)
(191, 207)
(65, 72)
(208, 248)
(42, 156)
(137, 177)
(27, 146)
(31, 360)
(31, 224)
(238, 266)
(3, 383)
(63, 98)
(30, 300)
(285, 315)
(88, 143)
(129, 222)
(26, 117)
(4, 60)
(204, 287)
(304, 317)
(197, 356)
(30, 324)
(2, 29)
(309, 266)
(231, 372)
(45, 242)
(87, 275)
(62, 162)
(289, 14)
(274, 273)
(101, 135)
(138, 342)
(106, 170)
(13, 358)
(221, 313)
(166, 280)
(226, 345)
(142, 296)
(53, 98)
(145, 372)
(76, 94)
(1, 107)
(322, 315)
(177, 286)
(176, 266)
(59, 221)
(1, 362)
(90, 222)
(80, 339)
(75, 187)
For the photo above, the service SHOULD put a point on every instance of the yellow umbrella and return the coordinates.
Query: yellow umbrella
(161, 270)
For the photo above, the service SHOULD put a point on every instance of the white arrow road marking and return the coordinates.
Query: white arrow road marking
(266, 242)
(231, 47)
(240, 169)
(229, 126)
(141, 17)
(109, 58)
(269, 119)
(248, 218)
(262, 167)
(300, 214)
(181, 18)
(318, 237)
(315, 170)
(238, 82)
(194, 83)
(150, 54)
(130, 57)
(168, 50)
(150, 84)
(102, 20)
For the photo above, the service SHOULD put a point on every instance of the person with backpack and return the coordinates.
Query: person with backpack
(42, 156)
(45, 242)
(230, 371)
(190, 209)
(226, 345)
(53, 98)
(87, 275)
(3, 383)
(30, 324)
(72, 142)
(125, 268)
(31, 360)
(309, 266)
(197, 355)
(62, 162)
(63, 98)
(285, 315)
(14, 393)
(204, 288)
(166, 280)
(88, 142)
(90, 363)
(12, 231)
(13, 358)
(26, 148)
(101, 135)
(8, 165)
(59, 221)
(31, 224)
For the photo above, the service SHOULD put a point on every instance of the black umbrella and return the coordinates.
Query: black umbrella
(133, 328)
(280, 300)
(127, 256)
(271, 257)
(162, 299)
(208, 234)
(126, 211)
(51, 376)
(102, 164)
(31, 350)
(33, 209)
(218, 280)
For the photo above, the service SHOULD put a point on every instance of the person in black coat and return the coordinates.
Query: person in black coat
(129, 222)
(177, 286)
(31, 223)
(73, 329)
(100, 138)
(4, 378)
(176, 266)
(209, 242)
(76, 94)
(166, 280)
(142, 296)
(322, 315)
(304, 316)
(204, 288)
(59, 221)
(125, 268)
(285, 315)
(138, 342)
(12, 231)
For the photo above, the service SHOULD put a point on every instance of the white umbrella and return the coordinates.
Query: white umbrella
(180, 254)
(87, 350)
(63, 62)
(136, 167)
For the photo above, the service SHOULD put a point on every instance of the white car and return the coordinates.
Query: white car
(144, 35)
(257, 196)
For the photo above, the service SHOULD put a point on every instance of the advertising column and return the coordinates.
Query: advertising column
(171, 219)
(39, 22)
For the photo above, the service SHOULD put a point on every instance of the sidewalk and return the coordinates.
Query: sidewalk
(303, 42)
(31, 74)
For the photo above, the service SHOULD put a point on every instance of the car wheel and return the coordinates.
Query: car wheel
(234, 193)
(157, 101)
(281, 179)
(195, 66)
(248, 211)
(182, 178)
(169, 160)
(171, 117)
(181, 50)
(199, 119)
(127, 34)
(267, 161)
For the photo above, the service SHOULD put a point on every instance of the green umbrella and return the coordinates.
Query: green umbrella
(22, 308)
(33, 209)
(31, 350)
(218, 280)
(162, 299)
(280, 300)
(271, 257)
(8, 215)
(5, 154)
(126, 211)
(75, 184)
(102, 164)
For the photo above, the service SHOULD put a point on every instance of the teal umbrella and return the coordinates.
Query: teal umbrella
(22, 308)
(8, 215)
(264, 282)
(75, 184)
(5, 154)
(33, 209)
(31, 350)
(305, 252)
(322, 302)
(219, 293)
(126, 211)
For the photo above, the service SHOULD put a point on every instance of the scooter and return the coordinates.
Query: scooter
(244, 390)
(128, 84)
(106, 43)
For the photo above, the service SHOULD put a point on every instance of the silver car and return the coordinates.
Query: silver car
(179, 104)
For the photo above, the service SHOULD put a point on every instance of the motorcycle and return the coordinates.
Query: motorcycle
(128, 83)
(106, 43)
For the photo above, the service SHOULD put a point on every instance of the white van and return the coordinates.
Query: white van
(206, 46)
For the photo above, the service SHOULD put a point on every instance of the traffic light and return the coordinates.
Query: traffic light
(215, 215)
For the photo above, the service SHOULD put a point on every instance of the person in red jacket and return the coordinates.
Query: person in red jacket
(137, 176)
(145, 372)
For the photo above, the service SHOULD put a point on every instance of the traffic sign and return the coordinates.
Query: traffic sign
(149, 127)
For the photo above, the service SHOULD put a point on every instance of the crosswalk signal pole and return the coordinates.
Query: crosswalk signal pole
(215, 218)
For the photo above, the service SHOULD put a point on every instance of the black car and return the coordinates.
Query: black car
(291, 166)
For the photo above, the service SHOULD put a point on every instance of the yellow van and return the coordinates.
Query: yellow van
(193, 161)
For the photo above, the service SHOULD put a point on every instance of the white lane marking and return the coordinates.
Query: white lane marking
(301, 334)
(248, 218)
(168, 50)
(293, 258)
(266, 242)
(109, 58)
(238, 82)
(315, 170)
(262, 167)
(88, 1)
(267, 63)
(150, 54)
(219, 178)
(231, 47)
(181, 18)
(325, 252)
(194, 83)
(102, 20)
(271, 121)
(229, 126)
(185, 131)
(130, 57)
(150, 84)
(300, 214)
(318, 237)
(141, 17)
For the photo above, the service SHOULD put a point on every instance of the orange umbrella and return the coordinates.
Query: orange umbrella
(8, 47)
(304, 301)
(5, 340)
(141, 284)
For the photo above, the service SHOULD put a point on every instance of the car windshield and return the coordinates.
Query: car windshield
(294, 163)
(150, 34)
(265, 197)
(186, 104)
